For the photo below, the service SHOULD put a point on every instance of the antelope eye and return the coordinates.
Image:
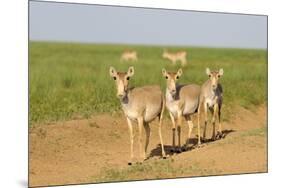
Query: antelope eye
(166, 77)
(128, 78)
(209, 76)
(177, 77)
(219, 76)
(114, 78)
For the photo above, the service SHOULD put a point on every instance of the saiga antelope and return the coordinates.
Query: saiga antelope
(181, 101)
(129, 55)
(211, 98)
(174, 57)
(140, 104)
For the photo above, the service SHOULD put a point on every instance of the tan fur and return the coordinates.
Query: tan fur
(211, 98)
(141, 105)
(181, 101)
(174, 57)
(129, 55)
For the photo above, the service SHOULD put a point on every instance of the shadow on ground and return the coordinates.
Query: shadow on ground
(157, 152)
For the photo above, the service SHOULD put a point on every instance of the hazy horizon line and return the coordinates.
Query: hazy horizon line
(145, 44)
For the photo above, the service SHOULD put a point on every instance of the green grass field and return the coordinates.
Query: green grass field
(67, 80)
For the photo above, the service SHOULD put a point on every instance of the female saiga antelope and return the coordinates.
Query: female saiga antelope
(141, 104)
(174, 57)
(211, 98)
(128, 55)
(181, 101)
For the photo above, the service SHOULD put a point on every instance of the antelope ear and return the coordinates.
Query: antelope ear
(164, 72)
(221, 72)
(112, 72)
(130, 71)
(208, 72)
(179, 73)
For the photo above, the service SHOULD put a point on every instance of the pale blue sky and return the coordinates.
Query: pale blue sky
(108, 24)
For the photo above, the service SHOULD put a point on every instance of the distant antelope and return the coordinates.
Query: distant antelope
(141, 104)
(181, 101)
(174, 57)
(129, 55)
(211, 98)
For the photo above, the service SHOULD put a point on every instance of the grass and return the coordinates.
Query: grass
(68, 80)
(152, 170)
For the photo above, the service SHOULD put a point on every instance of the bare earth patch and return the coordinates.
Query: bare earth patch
(97, 150)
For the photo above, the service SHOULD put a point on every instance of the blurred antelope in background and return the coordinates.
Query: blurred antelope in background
(174, 57)
(211, 98)
(129, 55)
(140, 104)
(181, 101)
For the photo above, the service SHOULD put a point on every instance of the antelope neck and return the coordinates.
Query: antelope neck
(169, 96)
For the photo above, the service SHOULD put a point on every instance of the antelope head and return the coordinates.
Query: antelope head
(171, 79)
(214, 77)
(121, 80)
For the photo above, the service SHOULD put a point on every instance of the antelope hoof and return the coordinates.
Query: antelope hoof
(164, 157)
(219, 135)
(129, 163)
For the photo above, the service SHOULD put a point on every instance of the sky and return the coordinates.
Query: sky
(50, 21)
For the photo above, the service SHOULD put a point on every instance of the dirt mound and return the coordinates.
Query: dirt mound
(97, 149)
